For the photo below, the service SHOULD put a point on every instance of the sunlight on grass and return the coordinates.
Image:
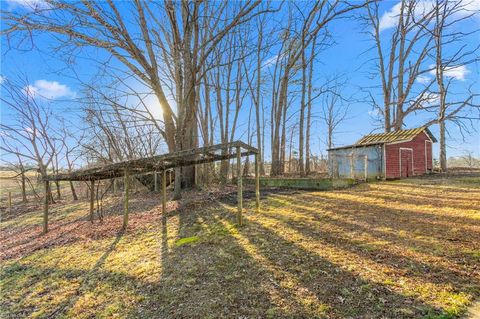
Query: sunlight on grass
(384, 249)
(186, 241)
(409, 284)
(298, 293)
(89, 273)
(315, 213)
(408, 208)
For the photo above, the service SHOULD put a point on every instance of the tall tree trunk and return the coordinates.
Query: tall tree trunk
(283, 141)
(277, 155)
(57, 185)
(74, 193)
(257, 100)
(443, 147)
(24, 192)
(309, 108)
(302, 110)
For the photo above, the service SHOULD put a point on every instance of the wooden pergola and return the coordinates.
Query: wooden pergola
(161, 163)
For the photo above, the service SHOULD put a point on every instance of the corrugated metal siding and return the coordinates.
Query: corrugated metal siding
(340, 162)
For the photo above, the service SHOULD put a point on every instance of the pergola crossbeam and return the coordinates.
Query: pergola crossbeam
(162, 163)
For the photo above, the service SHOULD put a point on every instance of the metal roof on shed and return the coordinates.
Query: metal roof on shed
(397, 136)
(390, 137)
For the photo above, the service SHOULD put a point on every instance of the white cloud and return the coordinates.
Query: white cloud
(270, 61)
(49, 89)
(28, 4)
(390, 17)
(423, 79)
(458, 72)
(429, 99)
(471, 6)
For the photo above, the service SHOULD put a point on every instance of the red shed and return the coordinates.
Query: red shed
(387, 155)
(405, 152)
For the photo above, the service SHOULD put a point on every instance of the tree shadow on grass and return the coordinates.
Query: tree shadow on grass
(28, 277)
(85, 285)
(392, 215)
(345, 291)
(391, 192)
(404, 265)
(415, 199)
(354, 224)
(25, 240)
(252, 271)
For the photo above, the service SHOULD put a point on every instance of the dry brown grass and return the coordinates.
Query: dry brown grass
(404, 249)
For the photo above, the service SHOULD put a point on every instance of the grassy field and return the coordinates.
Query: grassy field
(403, 249)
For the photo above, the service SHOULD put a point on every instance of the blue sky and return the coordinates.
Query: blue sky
(348, 57)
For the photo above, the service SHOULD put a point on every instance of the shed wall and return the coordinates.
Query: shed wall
(421, 148)
(340, 161)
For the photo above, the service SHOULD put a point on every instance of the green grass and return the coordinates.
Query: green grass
(187, 240)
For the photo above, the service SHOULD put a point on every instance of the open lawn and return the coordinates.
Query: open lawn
(403, 249)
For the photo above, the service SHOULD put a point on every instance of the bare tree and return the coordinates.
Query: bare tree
(309, 107)
(312, 24)
(262, 45)
(334, 110)
(29, 134)
(18, 167)
(447, 38)
(146, 46)
(68, 150)
(399, 59)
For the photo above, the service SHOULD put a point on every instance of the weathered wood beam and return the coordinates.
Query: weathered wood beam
(257, 185)
(45, 206)
(9, 202)
(239, 187)
(352, 172)
(125, 198)
(160, 162)
(164, 191)
(92, 199)
(366, 167)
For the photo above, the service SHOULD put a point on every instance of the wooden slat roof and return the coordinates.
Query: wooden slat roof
(200, 155)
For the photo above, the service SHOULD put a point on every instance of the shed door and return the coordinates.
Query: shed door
(406, 162)
(428, 156)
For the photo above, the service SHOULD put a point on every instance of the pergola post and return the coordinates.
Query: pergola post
(125, 199)
(352, 172)
(257, 184)
(366, 167)
(164, 191)
(9, 202)
(92, 198)
(45, 208)
(239, 186)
